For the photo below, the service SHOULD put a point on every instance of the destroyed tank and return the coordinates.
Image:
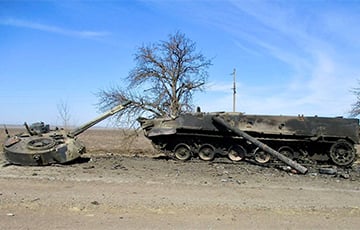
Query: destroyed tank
(256, 137)
(42, 146)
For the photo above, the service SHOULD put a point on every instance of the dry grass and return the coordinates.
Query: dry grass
(116, 141)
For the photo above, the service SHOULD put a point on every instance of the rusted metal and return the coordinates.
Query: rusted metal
(42, 146)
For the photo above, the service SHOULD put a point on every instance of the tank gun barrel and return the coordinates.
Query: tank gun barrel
(105, 115)
(261, 145)
(6, 131)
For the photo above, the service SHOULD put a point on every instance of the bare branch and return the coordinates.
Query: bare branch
(64, 113)
(163, 81)
(355, 108)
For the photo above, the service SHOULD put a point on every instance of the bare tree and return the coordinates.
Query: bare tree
(163, 81)
(355, 108)
(64, 113)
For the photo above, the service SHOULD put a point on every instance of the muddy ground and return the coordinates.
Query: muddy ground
(123, 183)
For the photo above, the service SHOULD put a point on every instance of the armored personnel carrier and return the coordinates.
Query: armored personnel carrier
(43, 146)
(256, 137)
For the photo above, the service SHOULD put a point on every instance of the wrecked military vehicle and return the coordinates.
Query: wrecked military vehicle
(261, 138)
(42, 146)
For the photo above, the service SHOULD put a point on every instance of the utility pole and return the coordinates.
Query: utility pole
(234, 90)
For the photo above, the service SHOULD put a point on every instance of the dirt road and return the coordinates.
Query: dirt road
(112, 192)
(114, 189)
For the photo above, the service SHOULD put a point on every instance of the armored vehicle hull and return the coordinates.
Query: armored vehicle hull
(300, 138)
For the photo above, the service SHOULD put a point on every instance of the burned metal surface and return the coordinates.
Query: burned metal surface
(261, 145)
(299, 138)
(42, 146)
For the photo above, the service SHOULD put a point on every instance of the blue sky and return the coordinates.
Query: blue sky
(291, 57)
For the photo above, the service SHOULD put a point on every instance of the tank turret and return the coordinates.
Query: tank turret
(43, 146)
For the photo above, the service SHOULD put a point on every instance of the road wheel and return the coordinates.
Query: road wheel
(182, 152)
(261, 156)
(207, 152)
(237, 153)
(342, 153)
(287, 151)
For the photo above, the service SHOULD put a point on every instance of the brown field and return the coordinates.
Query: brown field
(123, 183)
(102, 140)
